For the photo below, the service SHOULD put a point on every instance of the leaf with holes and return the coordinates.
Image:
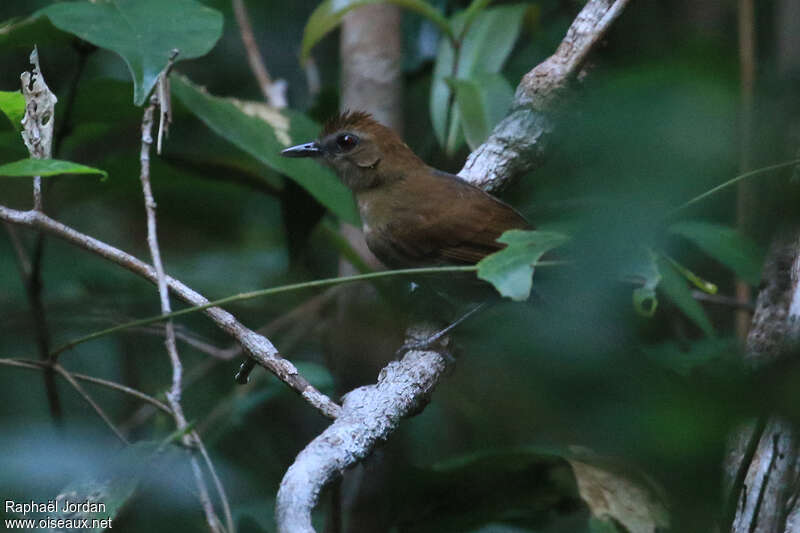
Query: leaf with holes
(142, 32)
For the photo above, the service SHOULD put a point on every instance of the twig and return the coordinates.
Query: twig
(174, 393)
(722, 299)
(255, 345)
(274, 91)
(37, 133)
(42, 365)
(85, 395)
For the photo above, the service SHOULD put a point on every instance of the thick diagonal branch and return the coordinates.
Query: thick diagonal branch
(371, 414)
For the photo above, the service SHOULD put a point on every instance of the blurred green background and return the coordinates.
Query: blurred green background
(575, 374)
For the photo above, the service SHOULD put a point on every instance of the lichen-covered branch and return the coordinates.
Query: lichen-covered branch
(519, 142)
(762, 465)
(370, 414)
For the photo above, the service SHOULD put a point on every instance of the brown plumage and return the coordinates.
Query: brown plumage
(413, 215)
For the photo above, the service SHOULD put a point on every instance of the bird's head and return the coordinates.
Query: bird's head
(363, 153)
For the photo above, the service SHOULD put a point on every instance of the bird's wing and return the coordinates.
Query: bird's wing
(462, 231)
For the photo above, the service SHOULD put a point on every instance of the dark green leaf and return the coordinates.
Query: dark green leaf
(727, 245)
(142, 32)
(46, 167)
(263, 132)
(487, 43)
(673, 285)
(510, 270)
(12, 104)
(482, 102)
(29, 32)
(710, 354)
(329, 14)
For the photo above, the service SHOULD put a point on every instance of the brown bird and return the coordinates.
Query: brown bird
(412, 214)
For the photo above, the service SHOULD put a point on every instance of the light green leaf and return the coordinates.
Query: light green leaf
(486, 45)
(46, 167)
(645, 301)
(142, 32)
(726, 245)
(263, 132)
(329, 14)
(482, 102)
(12, 104)
(510, 270)
(673, 285)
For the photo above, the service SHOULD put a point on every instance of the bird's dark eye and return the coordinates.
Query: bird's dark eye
(346, 141)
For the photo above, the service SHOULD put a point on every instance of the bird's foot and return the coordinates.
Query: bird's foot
(430, 341)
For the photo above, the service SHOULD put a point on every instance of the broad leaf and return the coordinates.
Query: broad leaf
(142, 32)
(46, 167)
(673, 285)
(263, 132)
(482, 102)
(329, 14)
(486, 45)
(726, 245)
(510, 270)
(12, 104)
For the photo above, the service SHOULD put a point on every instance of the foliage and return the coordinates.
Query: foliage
(614, 352)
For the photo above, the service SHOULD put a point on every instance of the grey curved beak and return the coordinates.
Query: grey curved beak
(302, 150)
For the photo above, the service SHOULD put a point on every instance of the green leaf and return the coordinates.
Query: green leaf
(645, 301)
(726, 245)
(12, 104)
(486, 45)
(46, 167)
(697, 281)
(329, 14)
(510, 270)
(673, 285)
(482, 102)
(142, 32)
(263, 132)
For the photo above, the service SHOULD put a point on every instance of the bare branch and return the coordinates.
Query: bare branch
(255, 345)
(518, 143)
(762, 465)
(274, 91)
(41, 365)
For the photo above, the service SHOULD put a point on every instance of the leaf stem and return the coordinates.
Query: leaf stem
(735, 180)
(275, 290)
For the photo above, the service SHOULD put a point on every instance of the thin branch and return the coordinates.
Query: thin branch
(223, 496)
(174, 393)
(37, 133)
(255, 345)
(85, 395)
(41, 365)
(274, 91)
